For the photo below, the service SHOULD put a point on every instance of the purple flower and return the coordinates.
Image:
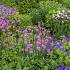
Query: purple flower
(67, 68)
(7, 21)
(61, 44)
(67, 38)
(49, 47)
(44, 46)
(68, 54)
(38, 37)
(49, 37)
(57, 46)
(10, 46)
(61, 67)
(63, 50)
(2, 7)
(30, 45)
(38, 48)
(12, 10)
(13, 21)
(48, 50)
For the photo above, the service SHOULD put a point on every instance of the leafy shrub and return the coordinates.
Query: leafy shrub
(10, 3)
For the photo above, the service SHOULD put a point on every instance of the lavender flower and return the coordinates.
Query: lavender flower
(61, 67)
(67, 68)
(63, 50)
(68, 54)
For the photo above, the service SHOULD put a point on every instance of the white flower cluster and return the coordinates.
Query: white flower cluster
(62, 15)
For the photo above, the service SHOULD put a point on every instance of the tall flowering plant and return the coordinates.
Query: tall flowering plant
(7, 25)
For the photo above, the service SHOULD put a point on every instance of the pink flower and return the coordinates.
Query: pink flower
(46, 41)
(38, 42)
(38, 37)
(25, 31)
(44, 46)
(25, 34)
(38, 48)
(29, 45)
(17, 30)
(44, 33)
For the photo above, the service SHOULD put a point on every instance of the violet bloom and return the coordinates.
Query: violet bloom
(38, 48)
(38, 37)
(25, 31)
(46, 41)
(59, 45)
(7, 21)
(12, 10)
(63, 50)
(68, 54)
(67, 68)
(61, 67)
(55, 41)
(29, 45)
(67, 38)
(49, 37)
(13, 21)
(2, 27)
(2, 7)
(48, 48)
(44, 46)
(38, 41)
(10, 46)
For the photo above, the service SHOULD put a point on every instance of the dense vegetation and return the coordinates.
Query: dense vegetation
(34, 35)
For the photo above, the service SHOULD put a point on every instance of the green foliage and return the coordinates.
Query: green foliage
(26, 21)
(10, 3)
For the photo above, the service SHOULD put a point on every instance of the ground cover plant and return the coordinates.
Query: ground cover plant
(34, 35)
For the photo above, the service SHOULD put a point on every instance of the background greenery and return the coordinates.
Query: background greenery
(32, 12)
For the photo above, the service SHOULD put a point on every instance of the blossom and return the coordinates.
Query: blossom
(68, 54)
(11, 10)
(29, 45)
(38, 37)
(38, 48)
(61, 67)
(63, 50)
(67, 68)
(44, 46)
(13, 21)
